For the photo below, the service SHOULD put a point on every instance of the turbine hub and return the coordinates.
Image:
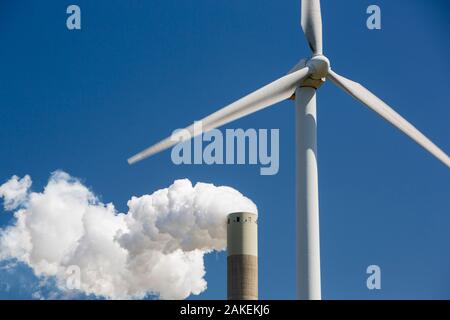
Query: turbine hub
(320, 66)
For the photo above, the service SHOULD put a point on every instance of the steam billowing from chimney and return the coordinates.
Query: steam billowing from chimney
(157, 248)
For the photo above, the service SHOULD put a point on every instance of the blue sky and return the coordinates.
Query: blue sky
(84, 101)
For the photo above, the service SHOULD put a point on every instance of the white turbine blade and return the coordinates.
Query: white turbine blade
(268, 95)
(381, 108)
(311, 22)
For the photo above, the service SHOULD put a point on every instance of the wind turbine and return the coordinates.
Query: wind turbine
(301, 84)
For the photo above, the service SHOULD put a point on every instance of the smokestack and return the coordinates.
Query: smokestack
(242, 260)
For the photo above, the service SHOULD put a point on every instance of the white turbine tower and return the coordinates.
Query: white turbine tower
(301, 83)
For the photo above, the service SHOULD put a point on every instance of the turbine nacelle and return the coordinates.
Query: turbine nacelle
(318, 69)
(319, 66)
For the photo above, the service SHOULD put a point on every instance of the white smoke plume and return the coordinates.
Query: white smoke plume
(156, 248)
(14, 192)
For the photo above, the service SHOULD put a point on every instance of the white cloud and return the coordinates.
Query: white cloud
(156, 248)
